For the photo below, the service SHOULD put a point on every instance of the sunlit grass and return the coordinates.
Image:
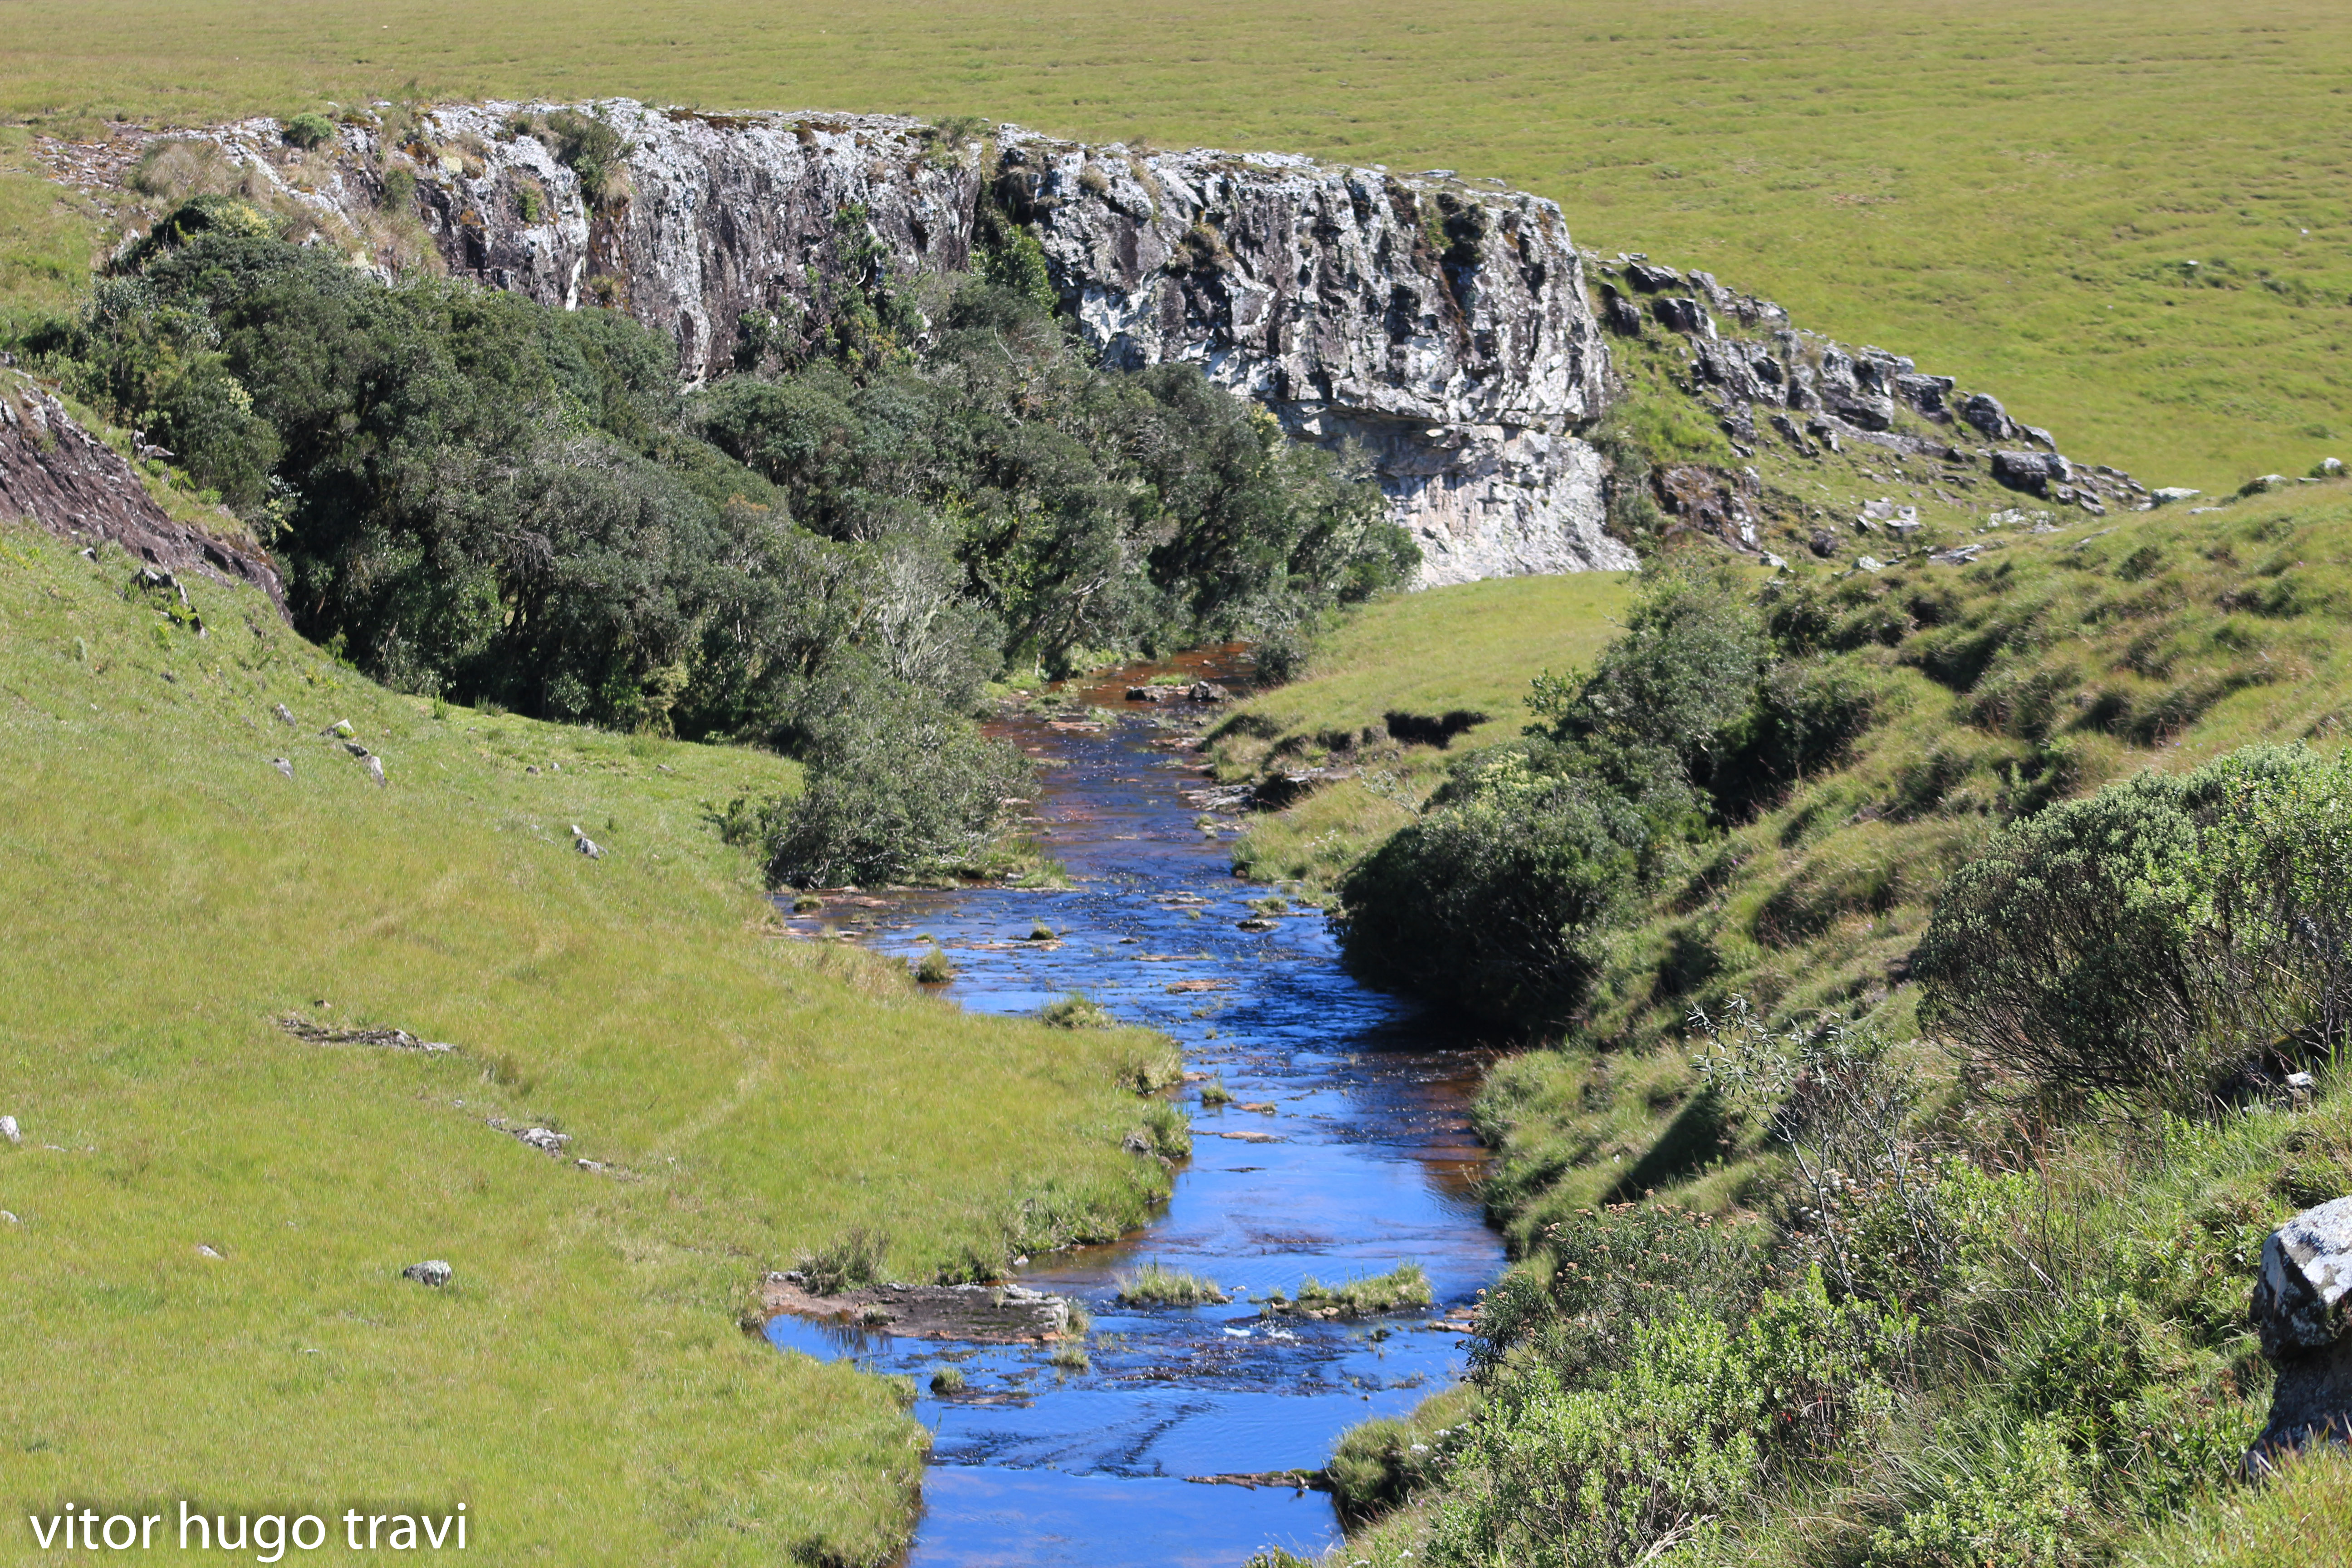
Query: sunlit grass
(1406, 1285)
(165, 893)
(1157, 1285)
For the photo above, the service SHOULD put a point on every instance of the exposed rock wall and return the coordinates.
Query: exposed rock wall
(1442, 326)
(1767, 380)
(60, 476)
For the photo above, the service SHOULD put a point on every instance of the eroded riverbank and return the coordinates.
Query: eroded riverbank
(1346, 1150)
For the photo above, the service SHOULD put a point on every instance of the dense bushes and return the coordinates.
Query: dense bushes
(478, 496)
(1613, 1438)
(1502, 896)
(1087, 509)
(895, 782)
(2162, 938)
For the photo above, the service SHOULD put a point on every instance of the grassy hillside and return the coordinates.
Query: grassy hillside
(1394, 692)
(2077, 1277)
(166, 894)
(2056, 663)
(2012, 192)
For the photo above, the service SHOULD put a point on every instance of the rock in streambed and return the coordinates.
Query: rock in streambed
(986, 1314)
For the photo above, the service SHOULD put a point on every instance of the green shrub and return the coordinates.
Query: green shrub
(2064, 948)
(1994, 1499)
(592, 148)
(1698, 1417)
(897, 787)
(309, 130)
(1501, 903)
(2160, 937)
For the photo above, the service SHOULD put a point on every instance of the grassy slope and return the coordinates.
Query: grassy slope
(2006, 190)
(164, 892)
(2055, 663)
(2058, 662)
(1473, 648)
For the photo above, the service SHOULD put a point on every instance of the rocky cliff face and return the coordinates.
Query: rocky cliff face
(60, 476)
(1441, 325)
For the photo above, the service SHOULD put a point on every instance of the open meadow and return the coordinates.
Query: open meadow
(216, 1212)
(2127, 219)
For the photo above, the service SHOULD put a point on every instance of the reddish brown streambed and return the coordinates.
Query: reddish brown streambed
(1364, 1160)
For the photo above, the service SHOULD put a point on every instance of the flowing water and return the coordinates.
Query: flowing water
(1362, 1159)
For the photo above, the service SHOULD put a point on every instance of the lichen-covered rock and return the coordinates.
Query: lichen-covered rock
(2298, 1311)
(1440, 325)
(2306, 1273)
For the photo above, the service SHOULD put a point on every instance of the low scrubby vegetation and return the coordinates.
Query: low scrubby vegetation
(1930, 1061)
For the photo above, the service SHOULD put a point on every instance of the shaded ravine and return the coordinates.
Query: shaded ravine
(1364, 1160)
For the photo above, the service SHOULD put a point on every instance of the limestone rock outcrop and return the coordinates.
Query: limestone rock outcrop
(2299, 1311)
(1440, 325)
(1773, 380)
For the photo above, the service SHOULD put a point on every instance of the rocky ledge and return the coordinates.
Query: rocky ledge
(1762, 380)
(985, 1314)
(1440, 325)
(76, 486)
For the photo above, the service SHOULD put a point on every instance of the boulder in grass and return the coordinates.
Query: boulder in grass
(433, 1271)
(2298, 1310)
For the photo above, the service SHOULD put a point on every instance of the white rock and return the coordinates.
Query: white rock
(376, 769)
(282, 765)
(2305, 1272)
(10, 1131)
(433, 1271)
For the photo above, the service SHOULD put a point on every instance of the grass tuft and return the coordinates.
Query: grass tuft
(1156, 1285)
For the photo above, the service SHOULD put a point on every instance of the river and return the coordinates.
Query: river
(1364, 1160)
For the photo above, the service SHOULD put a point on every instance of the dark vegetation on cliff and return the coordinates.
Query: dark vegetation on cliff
(484, 500)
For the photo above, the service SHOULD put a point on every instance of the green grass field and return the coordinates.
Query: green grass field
(2012, 192)
(165, 894)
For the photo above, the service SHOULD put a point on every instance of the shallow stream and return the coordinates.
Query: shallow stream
(1361, 1159)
